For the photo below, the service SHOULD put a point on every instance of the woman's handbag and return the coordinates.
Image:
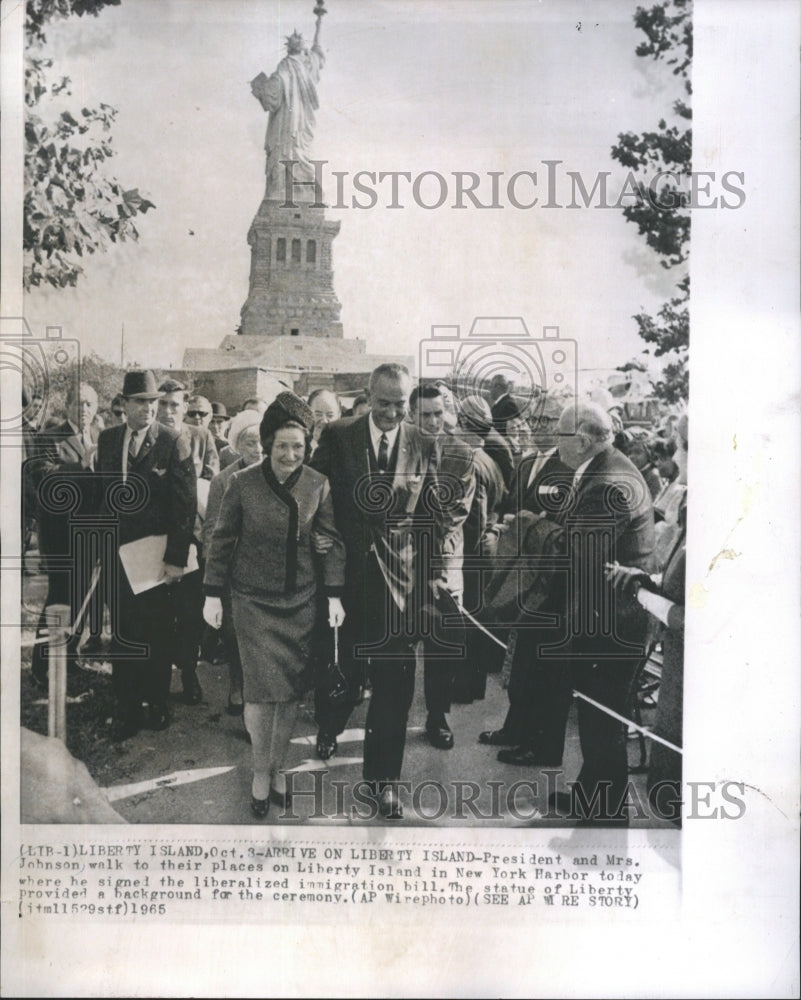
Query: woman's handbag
(335, 686)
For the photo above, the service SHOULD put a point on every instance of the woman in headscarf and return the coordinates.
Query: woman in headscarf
(262, 545)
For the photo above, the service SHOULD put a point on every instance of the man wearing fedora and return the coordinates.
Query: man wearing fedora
(219, 424)
(160, 499)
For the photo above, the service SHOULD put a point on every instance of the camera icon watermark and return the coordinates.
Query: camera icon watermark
(45, 367)
(537, 369)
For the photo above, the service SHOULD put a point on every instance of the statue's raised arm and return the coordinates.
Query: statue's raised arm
(319, 10)
(290, 98)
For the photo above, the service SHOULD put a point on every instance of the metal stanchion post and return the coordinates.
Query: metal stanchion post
(58, 624)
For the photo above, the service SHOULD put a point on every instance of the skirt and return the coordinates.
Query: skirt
(275, 644)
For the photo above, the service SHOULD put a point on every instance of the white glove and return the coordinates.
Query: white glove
(212, 612)
(336, 613)
(321, 543)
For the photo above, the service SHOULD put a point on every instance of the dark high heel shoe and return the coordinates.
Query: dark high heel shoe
(259, 807)
(282, 799)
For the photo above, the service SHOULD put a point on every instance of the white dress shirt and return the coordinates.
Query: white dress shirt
(126, 443)
(580, 471)
(375, 438)
(537, 464)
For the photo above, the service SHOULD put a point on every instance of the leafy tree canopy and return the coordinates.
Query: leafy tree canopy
(73, 206)
(664, 220)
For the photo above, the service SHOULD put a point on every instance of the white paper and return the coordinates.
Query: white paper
(143, 561)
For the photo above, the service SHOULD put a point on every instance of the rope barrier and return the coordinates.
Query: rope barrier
(74, 628)
(647, 733)
(481, 628)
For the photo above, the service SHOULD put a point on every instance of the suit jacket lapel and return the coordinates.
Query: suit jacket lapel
(589, 474)
(116, 439)
(405, 460)
(147, 444)
(359, 452)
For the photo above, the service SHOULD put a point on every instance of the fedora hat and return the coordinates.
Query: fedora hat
(140, 385)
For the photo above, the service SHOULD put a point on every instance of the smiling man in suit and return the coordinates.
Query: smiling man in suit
(376, 465)
(155, 464)
(532, 733)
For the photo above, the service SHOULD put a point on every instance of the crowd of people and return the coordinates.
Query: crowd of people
(424, 524)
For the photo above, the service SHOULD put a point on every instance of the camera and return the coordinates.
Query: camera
(502, 345)
(45, 366)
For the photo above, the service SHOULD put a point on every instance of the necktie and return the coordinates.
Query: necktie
(133, 450)
(383, 454)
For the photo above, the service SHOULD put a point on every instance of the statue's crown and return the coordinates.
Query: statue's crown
(294, 42)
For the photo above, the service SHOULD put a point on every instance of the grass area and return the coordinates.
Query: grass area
(87, 719)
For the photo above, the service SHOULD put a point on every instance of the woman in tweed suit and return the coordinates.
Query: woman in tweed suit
(262, 546)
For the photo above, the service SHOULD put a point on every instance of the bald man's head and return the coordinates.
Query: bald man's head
(584, 430)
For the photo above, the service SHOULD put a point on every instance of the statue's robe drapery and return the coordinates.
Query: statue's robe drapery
(290, 97)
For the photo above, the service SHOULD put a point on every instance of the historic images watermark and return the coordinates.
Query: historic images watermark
(494, 801)
(551, 185)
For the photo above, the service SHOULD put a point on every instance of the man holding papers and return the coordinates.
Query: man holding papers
(150, 489)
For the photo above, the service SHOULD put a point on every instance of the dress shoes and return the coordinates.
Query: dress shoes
(281, 799)
(497, 738)
(259, 807)
(389, 803)
(193, 692)
(526, 757)
(158, 718)
(326, 745)
(439, 734)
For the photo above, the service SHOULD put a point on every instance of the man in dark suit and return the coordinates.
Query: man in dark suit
(218, 425)
(502, 406)
(452, 486)
(474, 423)
(532, 732)
(159, 499)
(609, 519)
(376, 466)
(187, 594)
(62, 468)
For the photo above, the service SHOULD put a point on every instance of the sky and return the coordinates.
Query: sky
(409, 85)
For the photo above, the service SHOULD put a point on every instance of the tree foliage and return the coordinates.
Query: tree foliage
(73, 206)
(662, 215)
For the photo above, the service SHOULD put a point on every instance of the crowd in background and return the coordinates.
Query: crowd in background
(268, 549)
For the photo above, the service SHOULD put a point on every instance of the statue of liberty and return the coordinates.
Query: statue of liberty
(290, 98)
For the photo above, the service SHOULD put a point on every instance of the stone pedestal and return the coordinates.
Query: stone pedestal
(291, 275)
